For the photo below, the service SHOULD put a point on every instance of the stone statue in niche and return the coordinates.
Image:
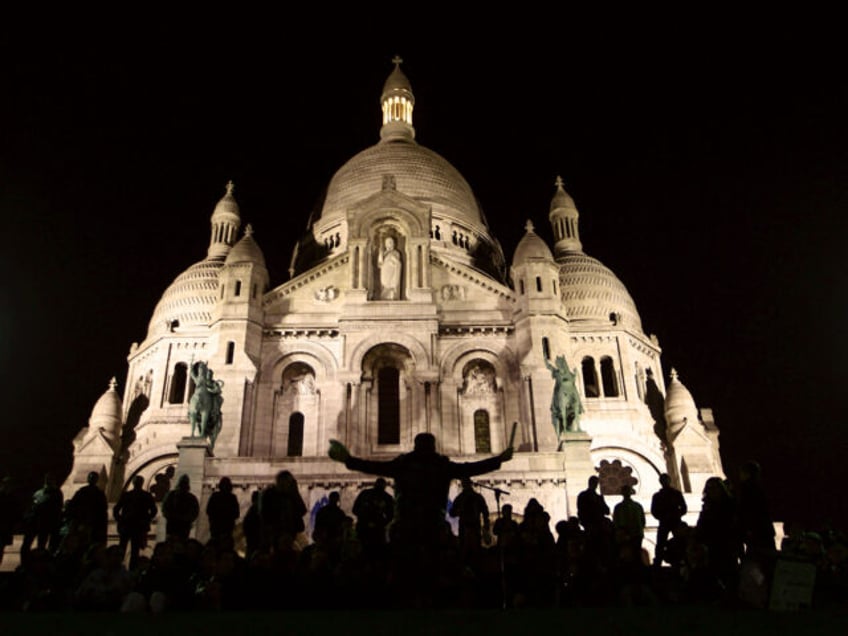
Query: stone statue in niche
(300, 384)
(566, 407)
(204, 408)
(479, 380)
(390, 266)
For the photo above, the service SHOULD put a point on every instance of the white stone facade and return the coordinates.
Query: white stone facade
(447, 340)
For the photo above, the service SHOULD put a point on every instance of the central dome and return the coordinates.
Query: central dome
(420, 174)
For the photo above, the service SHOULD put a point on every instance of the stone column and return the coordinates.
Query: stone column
(578, 466)
(192, 462)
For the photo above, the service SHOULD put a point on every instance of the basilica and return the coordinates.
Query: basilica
(401, 315)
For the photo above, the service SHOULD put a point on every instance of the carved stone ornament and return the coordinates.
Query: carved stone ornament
(327, 294)
(479, 380)
(453, 292)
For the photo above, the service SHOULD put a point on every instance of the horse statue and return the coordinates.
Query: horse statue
(566, 406)
(204, 408)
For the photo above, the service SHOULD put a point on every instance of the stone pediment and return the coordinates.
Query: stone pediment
(95, 443)
(320, 284)
(464, 280)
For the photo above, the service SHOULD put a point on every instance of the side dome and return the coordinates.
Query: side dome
(591, 292)
(419, 173)
(680, 408)
(106, 413)
(247, 250)
(531, 247)
(190, 300)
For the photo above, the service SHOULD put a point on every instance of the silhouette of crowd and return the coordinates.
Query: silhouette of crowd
(374, 557)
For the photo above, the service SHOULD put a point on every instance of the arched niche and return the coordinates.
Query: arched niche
(297, 412)
(388, 397)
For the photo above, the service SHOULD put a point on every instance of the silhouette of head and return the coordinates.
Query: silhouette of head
(334, 498)
(380, 484)
(507, 511)
(225, 485)
(92, 478)
(425, 443)
(593, 482)
(184, 483)
(138, 482)
(626, 491)
(284, 480)
(665, 480)
(466, 483)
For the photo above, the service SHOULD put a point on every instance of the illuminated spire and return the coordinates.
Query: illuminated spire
(226, 220)
(397, 102)
(563, 218)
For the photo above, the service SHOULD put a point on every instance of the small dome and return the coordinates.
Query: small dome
(189, 300)
(561, 198)
(397, 82)
(106, 413)
(246, 250)
(680, 408)
(591, 292)
(227, 206)
(531, 247)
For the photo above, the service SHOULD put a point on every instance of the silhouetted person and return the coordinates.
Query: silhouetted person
(754, 519)
(473, 513)
(133, 513)
(537, 572)
(592, 510)
(628, 519)
(717, 530)
(281, 510)
(44, 517)
(374, 509)
(668, 507)
(591, 507)
(162, 484)
(506, 529)
(180, 509)
(251, 526)
(223, 510)
(88, 511)
(422, 479)
(329, 521)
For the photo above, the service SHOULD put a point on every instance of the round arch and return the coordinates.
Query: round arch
(416, 350)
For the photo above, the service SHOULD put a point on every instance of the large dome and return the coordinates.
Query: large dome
(591, 292)
(419, 173)
(190, 299)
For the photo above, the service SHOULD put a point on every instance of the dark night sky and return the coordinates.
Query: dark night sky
(709, 165)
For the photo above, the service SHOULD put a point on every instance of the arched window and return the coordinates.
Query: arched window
(237, 291)
(546, 348)
(521, 285)
(608, 377)
(538, 283)
(178, 383)
(295, 445)
(482, 434)
(388, 414)
(590, 377)
(231, 352)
